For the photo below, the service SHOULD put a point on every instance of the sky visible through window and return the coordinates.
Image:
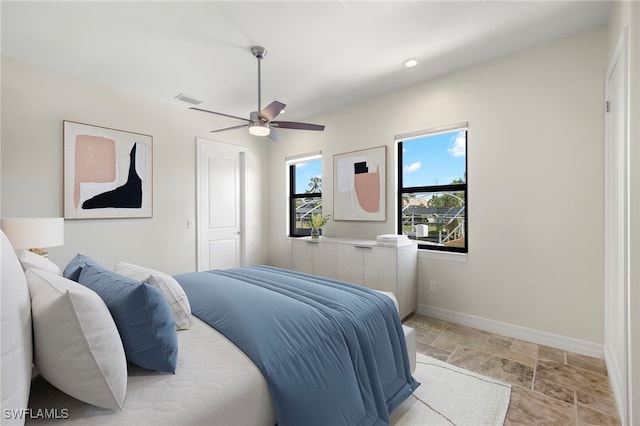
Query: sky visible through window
(431, 160)
(304, 172)
(434, 160)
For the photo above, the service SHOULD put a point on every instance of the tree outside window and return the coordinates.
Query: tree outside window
(305, 195)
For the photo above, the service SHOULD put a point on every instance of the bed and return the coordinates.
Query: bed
(214, 381)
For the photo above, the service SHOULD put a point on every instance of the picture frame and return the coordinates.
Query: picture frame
(360, 185)
(108, 173)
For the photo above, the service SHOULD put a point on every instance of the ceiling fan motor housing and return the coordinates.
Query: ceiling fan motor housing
(256, 120)
(258, 126)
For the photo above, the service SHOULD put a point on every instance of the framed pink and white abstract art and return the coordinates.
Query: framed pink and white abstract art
(108, 173)
(360, 185)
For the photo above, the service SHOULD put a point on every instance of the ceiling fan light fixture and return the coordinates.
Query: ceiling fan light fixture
(258, 129)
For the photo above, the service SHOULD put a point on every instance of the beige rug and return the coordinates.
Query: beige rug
(450, 395)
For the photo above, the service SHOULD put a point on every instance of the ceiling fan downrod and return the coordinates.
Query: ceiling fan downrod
(259, 52)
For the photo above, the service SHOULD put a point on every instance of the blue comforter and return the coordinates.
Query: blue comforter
(332, 353)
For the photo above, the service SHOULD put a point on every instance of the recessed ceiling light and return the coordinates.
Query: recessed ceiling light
(410, 63)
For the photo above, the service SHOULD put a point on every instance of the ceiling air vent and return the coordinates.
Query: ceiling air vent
(188, 99)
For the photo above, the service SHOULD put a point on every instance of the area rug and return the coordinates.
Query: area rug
(450, 395)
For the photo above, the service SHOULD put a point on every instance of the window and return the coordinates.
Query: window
(432, 188)
(305, 193)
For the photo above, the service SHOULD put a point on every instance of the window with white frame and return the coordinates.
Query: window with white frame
(432, 188)
(305, 193)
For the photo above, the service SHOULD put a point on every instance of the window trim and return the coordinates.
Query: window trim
(399, 139)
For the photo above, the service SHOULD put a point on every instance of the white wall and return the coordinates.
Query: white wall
(535, 181)
(535, 177)
(35, 102)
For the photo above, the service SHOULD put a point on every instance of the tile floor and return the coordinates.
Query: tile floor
(549, 385)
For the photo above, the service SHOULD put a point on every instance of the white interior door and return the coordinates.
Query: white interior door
(616, 244)
(220, 205)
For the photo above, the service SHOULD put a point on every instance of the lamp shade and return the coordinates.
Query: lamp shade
(34, 232)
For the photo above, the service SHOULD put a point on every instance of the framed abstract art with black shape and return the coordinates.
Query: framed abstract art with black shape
(108, 173)
(360, 185)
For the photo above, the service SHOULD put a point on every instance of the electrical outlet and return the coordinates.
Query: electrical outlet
(434, 285)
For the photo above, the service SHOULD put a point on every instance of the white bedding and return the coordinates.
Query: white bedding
(215, 384)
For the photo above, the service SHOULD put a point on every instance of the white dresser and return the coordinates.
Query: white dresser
(362, 262)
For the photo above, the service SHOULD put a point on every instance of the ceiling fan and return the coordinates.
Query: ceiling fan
(260, 123)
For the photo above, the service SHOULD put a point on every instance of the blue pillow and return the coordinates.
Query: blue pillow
(142, 315)
(72, 271)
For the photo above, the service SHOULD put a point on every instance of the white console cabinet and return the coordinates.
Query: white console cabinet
(363, 262)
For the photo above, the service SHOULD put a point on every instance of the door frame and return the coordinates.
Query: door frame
(201, 145)
(617, 233)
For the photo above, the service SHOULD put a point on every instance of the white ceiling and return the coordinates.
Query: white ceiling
(320, 54)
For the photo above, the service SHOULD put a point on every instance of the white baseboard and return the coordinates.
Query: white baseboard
(523, 333)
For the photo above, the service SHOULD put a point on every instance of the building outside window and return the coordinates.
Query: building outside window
(432, 188)
(305, 193)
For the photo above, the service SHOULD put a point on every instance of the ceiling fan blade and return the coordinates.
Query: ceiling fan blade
(296, 125)
(222, 114)
(271, 111)
(274, 135)
(229, 128)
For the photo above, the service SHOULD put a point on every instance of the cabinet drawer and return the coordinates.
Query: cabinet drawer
(314, 258)
(362, 262)
(381, 270)
(350, 264)
(302, 259)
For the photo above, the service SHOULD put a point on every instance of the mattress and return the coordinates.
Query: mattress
(215, 384)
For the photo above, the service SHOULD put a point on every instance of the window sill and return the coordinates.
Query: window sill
(442, 255)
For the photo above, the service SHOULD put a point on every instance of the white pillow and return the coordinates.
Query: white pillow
(30, 260)
(167, 285)
(77, 347)
(17, 352)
